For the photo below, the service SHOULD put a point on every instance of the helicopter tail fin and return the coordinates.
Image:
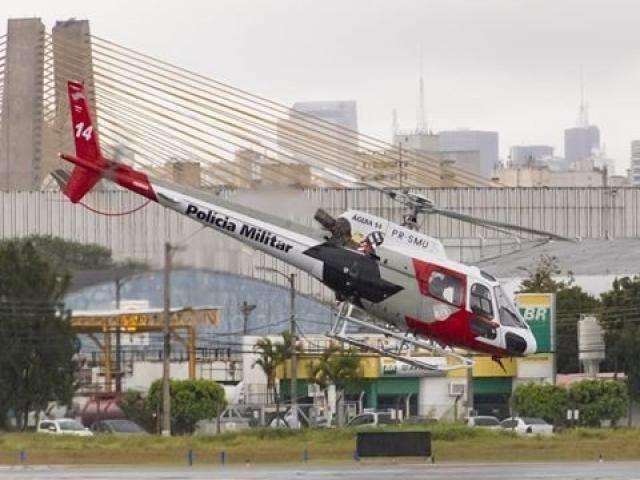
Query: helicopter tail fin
(86, 142)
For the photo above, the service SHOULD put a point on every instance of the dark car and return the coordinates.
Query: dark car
(118, 427)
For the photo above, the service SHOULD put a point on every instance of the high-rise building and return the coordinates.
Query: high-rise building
(419, 141)
(530, 155)
(580, 143)
(311, 141)
(635, 163)
(342, 113)
(188, 174)
(484, 142)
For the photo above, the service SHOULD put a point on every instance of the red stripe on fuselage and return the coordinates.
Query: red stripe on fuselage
(455, 330)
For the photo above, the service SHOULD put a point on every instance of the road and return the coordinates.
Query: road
(371, 471)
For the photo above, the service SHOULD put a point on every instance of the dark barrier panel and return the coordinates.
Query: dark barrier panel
(393, 444)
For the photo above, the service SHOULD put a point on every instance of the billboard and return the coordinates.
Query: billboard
(539, 311)
(390, 367)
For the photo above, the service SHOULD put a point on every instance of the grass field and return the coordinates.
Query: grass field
(451, 443)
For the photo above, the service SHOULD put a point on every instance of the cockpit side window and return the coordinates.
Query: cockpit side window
(446, 287)
(509, 316)
(480, 300)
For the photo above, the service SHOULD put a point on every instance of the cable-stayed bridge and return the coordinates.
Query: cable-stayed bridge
(190, 127)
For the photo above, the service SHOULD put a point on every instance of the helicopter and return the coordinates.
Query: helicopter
(388, 278)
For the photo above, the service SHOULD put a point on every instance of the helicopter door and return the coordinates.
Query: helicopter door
(443, 292)
(484, 321)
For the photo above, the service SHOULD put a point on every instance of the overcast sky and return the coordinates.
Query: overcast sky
(506, 65)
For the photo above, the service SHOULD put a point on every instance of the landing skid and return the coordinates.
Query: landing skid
(402, 351)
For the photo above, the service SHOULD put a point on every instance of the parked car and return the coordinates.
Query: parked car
(287, 419)
(372, 419)
(63, 426)
(484, 421)
(118, 427)
(527, 426)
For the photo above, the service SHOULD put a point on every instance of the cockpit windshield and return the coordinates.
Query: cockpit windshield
(509, 316)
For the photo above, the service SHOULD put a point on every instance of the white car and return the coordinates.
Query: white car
(372, 419)
(527, 426)
(484, 421)
(64, 426)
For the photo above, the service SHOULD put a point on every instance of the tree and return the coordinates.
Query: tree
(135, 406)
(284, 352)
(599, 400)
(69, 255)
(571, 301)
(268, 358)
(596, 400)
(541, 400)
(191, 401)
(619, 319)
(541, 279)
(339, 367)
(37, 345)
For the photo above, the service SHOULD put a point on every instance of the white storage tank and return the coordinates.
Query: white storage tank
(591, 348)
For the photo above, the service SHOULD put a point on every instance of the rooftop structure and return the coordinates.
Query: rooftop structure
(580, 143)
(530, 155)
(485, 142)
(635, 163)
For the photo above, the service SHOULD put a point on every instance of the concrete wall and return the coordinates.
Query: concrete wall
(21, 136)
(541, 177)
(434, 399)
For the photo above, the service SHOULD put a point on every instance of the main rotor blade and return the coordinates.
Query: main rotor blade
(495, 223)
(403, 198)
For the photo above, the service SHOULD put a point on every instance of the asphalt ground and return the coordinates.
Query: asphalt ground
(362, 471)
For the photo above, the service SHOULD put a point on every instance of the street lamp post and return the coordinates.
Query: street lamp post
(294, 339)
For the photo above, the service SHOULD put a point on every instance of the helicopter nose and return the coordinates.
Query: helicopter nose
(532, 345)
(520, 342)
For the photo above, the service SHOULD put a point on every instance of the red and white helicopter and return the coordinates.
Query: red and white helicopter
(400, 279)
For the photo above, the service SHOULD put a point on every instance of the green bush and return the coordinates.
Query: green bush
(596, 400)
(191, 400)
(135, 406)
(541, 400)
(599, 400)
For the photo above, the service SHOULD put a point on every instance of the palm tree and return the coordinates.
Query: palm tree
(271, 356)
(284, 351)
(268, 361)
(339, 367)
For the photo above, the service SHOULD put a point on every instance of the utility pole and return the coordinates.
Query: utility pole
(118, 371)
(246, 310)
(294, 353)
(469, 403)
(166, 391)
